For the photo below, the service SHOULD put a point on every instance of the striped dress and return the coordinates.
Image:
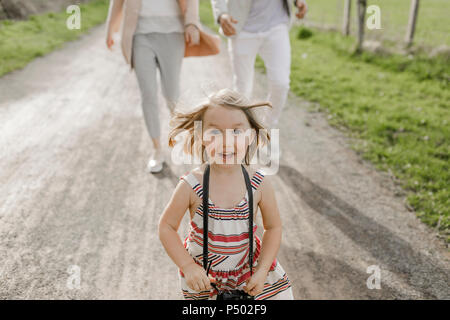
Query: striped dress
(228, 248)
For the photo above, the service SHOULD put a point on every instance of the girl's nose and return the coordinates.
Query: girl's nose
(228, 142)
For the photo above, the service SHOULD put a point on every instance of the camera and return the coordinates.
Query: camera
(234, 295)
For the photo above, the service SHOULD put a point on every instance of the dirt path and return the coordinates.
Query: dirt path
(74, 195)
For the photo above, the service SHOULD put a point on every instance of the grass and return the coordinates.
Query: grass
(432, 27)
(399, 114)
(22, 41)
(395, 107)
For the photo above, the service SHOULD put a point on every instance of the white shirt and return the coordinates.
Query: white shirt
(162, 16)
(265, 14)
(164, 8)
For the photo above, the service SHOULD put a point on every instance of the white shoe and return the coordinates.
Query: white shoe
(155, 163)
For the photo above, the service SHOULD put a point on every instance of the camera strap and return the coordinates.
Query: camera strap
(205, 199)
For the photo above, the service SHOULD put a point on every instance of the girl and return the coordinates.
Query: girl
(228, 238)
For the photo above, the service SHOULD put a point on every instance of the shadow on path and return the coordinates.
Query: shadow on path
(394, 252)
(317, 276)
(167, 173)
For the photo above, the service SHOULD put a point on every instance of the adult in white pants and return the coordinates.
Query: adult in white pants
(259, 27)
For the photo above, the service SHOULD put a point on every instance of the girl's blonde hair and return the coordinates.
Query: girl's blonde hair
(184, 121)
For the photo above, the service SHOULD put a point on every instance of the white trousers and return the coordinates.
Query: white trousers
(275, 49)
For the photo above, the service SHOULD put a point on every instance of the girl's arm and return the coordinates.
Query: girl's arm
(271, 238)
(169, 222)
(272, 226)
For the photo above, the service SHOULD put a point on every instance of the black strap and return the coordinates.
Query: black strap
(205, 196)
(250, 218)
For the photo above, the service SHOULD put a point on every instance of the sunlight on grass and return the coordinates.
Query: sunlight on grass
(22, 41)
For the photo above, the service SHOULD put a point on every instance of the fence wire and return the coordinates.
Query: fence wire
(432, 28)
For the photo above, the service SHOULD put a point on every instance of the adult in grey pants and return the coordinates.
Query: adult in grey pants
(153, 51)
(154, 33)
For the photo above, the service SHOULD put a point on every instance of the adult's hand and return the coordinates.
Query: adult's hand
(302, 9)
(109, 41)
(191, 35)
(226, 22)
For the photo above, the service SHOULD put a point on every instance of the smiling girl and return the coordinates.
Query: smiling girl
(230, 136)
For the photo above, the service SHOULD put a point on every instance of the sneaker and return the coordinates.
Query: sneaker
(155, 163)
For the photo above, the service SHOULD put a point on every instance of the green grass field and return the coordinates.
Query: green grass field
(433, 27)
(397, 109)
(400, 117)
(22, 41)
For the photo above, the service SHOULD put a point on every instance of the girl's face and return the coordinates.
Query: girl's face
(226, 135)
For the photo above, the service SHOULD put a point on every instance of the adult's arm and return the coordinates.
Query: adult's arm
(192, 16)
(219, 7)
(114, 16)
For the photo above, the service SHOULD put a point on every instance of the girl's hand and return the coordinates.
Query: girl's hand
(196, 277)
(109, 41)
(255, 284)
(192, 35)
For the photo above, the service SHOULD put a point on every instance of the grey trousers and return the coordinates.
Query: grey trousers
(163, 51)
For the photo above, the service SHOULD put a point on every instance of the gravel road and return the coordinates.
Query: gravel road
(75, 198)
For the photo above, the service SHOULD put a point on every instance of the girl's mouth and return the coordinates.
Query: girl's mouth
(226, 156)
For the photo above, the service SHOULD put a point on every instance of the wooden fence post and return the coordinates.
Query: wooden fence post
(347, 14)
(361, 10)
(412, 22)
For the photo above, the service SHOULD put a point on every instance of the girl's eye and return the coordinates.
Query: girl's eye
(212, 133)
(237, 131)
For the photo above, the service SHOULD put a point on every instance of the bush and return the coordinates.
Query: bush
(304, 33)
